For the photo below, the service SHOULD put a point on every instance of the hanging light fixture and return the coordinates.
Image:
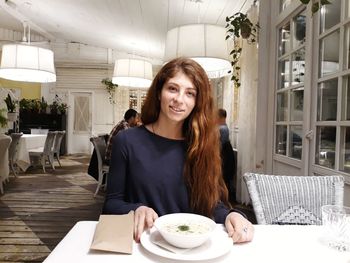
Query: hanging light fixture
(132, 73)
(27, 63)
(24, 62)
(204, 43)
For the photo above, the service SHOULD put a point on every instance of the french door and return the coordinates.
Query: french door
(312, 91)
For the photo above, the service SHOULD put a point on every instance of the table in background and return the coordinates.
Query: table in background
(26, 143)
(272, 243)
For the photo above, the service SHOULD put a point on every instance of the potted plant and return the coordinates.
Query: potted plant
(54, 107)
(11, 108)
(24, 105)
(42, 105)
(317, 5)
(57, 106)
(239, 25)
(34, 105)
(110, 87)
(62, 108)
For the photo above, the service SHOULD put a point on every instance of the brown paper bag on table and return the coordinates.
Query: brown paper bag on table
(114, 233)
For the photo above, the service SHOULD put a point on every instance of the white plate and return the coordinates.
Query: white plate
(218, 245)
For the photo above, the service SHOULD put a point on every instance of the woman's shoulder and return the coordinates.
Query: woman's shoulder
(132, 133)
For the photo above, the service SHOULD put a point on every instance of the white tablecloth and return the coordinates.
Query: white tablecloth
(272, 243)
(26, 143)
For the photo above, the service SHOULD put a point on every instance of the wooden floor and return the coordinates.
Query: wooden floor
(37, 209)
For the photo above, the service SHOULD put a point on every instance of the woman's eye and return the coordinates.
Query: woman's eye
(191, 94)
(173, 89)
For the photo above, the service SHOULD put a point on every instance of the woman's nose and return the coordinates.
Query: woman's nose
(179, 97)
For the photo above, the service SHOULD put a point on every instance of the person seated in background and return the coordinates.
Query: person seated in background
(227, 155)
(172, 164)
(131, 119)
(224, 131)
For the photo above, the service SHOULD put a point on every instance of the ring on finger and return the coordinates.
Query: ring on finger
(245, 229)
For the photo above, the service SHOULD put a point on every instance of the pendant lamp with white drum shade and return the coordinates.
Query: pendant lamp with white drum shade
(132, 73)
(204, 43)
(28, 63)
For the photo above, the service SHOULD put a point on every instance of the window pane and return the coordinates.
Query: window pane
(329, 54)
(281, 139)
(282, 106)
(298, 66)
(143, 97)
(346, 99)
(345, 150)
(82, 116)
(283, 73)
(133, 99)
(330, 15)
(346, 64)
(297, 104)
(325, 146)
(327, 100)
(284, 39)
(347, 8)
(295, 138)
(299, 23)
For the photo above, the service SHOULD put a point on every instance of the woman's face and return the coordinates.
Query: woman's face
(177, 98)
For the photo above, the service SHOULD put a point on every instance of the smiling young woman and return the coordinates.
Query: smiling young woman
(172, 164)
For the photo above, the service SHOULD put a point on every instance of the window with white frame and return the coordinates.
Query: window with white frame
(290, 87)
(137, 98)
(332, 145)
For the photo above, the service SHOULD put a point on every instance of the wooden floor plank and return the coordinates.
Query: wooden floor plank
(37, 209)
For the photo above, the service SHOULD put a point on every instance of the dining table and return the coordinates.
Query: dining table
(26, 143)
(271, 243)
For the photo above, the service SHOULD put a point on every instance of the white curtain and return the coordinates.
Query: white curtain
(247, 112)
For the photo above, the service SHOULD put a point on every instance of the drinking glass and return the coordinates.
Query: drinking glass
(336, 222)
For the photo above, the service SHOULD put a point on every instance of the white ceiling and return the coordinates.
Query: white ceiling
(134, 26)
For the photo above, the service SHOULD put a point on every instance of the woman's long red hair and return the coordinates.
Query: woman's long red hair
(202, 169)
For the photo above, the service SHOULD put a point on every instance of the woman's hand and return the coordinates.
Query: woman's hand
(239, 228)
(143, 219)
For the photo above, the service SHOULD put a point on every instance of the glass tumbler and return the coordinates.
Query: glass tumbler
(336, 222)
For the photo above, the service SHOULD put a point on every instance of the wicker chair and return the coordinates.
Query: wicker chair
(44, 153)
(4, 163)
(13, 150)
(100, 147)
(280, 199)
(57, 145)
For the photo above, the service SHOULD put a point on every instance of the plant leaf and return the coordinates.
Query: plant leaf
(315, 7)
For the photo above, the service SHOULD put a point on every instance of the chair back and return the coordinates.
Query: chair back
(49, 142)
(281, 199)
(58, 141)
(100, 147)
(4, 163)
(14, 145)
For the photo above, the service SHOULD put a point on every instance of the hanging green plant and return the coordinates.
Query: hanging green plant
(110, 87)
(239, 26)
(317, 5)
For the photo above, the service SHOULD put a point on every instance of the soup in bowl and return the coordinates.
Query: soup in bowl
(185, 230)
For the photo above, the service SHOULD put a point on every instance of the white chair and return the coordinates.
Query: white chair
(57, 145)
(44, 153)
(280, 199)
(4, 162)
(100, 147)
(13, 150)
